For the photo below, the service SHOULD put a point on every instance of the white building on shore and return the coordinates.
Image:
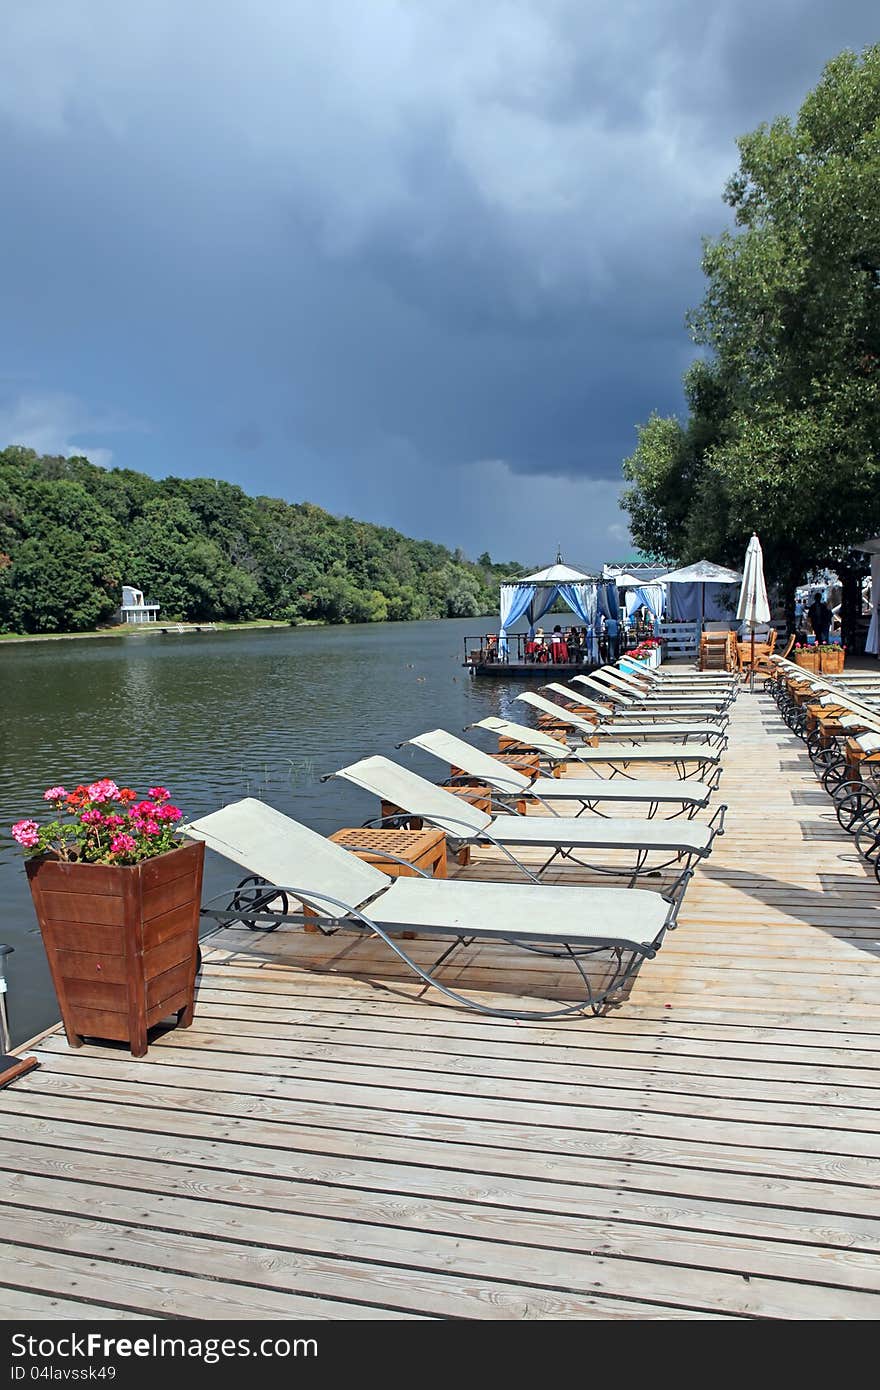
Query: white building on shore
(133, 608)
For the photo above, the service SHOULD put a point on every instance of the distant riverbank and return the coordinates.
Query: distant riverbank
(146, 629)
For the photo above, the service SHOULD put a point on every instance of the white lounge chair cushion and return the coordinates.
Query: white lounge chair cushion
(651, 752)
(597, 832)
(587, 916)
(547, 746)
(620, 789)
(476, 763)
(658, 730)
(574, 721)
(284, 852)
(471, 760)
(420, 797)
(287, 854)
(416, 795)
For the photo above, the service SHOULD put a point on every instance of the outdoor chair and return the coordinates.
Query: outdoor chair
(686, 732)
(566, 837)
(619, 756)
(630, 697)
(291, 868)
(655, 712)
(589, 792)
(646, 682)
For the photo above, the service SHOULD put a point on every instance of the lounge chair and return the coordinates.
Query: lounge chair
(632, 699)
(677, 673)
(415, 798)
(617, 755)
(285, 860)
(647, 714)
(589, 792)
(609, 678)
(685, 732)
(666, 690)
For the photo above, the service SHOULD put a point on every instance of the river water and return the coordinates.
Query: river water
(217, 716)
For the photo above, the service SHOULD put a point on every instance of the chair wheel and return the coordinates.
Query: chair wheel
(856, 808)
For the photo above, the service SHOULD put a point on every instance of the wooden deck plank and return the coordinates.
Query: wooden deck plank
(324, 1142)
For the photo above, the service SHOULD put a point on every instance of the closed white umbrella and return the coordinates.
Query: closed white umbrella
(753, 607)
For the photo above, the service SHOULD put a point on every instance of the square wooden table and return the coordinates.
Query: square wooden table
(426, 849)
(508, 746)
(476, 794)
(529, 764)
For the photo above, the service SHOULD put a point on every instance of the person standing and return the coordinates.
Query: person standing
(820, 617)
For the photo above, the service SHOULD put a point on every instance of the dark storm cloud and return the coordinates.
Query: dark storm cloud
(374, 254)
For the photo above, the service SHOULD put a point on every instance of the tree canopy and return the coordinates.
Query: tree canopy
(71, 533)
(783, 431)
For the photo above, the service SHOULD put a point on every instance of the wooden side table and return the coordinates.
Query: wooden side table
(477, 794)
(510, 745)
(855, 756)
(426, 849)
(529, 764)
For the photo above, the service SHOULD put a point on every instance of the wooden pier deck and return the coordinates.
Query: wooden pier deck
(322, 1144)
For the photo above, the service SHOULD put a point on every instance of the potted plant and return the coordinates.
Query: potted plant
(807, 657)
(117, 894)
(831, 658)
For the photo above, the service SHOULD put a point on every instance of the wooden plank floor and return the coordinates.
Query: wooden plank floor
(322, 1143)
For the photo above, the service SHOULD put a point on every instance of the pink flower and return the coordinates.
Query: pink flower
(113, 821)
(54, 794)
(143, 808)
(159, 793)
(150, 827)
(123, 844)
(27, 833)
(169, 813)
(92, 818)
(105, 790)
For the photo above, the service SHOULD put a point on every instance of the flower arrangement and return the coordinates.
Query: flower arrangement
(102, 823)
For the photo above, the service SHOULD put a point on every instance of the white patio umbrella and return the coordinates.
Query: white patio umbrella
(753, 607)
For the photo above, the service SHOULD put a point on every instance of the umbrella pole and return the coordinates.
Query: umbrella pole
(752, 664)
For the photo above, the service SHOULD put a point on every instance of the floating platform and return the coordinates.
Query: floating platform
(529, 670)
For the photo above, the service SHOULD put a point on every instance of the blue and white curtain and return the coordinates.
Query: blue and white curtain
(648, 596)
(582, 600)
(607, 599)
(543, 601)
(515, 599)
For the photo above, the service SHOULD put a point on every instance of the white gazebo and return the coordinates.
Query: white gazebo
(534, 594)
(133, 609)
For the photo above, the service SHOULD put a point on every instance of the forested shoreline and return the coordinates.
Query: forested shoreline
(72, 533)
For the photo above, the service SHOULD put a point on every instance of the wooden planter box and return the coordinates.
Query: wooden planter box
(121, 941)
(808, 659)
(831, 663)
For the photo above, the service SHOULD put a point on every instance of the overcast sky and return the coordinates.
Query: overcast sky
(422, 261)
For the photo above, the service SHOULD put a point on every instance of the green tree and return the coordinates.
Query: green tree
(783, 434)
